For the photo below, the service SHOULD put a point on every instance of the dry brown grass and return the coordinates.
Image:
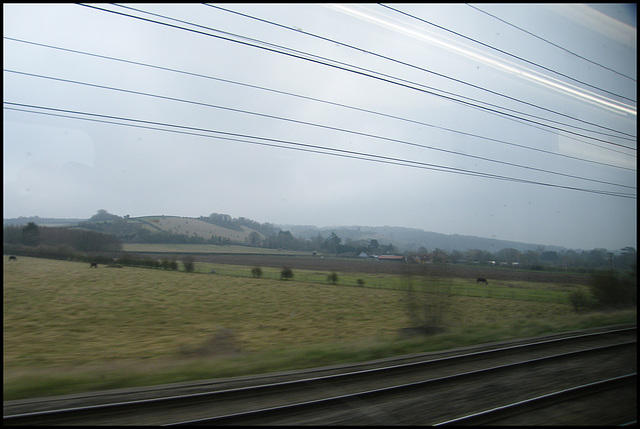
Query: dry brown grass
(64, 316)
(65, 313)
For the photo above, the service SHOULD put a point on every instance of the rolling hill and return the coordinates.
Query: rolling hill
(412, 238)
(193, 227)
(236, 231)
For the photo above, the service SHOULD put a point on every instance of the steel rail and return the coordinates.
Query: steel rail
(499, 413)
(59, 414)
(237, 418)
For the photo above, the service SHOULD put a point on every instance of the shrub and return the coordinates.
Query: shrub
(611, 290)
(151, 263)
(128, 259)
(360, 282)
(256, 272)
(286, 274)
(45, 251)
(332, 278)
(65, 252)
(188, 263)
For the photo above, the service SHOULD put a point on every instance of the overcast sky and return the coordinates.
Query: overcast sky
(515, 122)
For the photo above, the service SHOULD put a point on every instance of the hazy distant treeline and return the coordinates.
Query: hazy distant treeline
(104, 232)
(79, 240)
(579, 261)
(24, 220)
(226, 221)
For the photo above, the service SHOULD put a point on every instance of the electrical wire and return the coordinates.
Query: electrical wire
(332, 103)
(305, 147)
(355, 69)
(551, 43)
(136, 17)
(300, 146)
(507, 53)
(404, 142)
(415, 67)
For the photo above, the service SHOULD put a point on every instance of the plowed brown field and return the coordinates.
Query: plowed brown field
(352, 265)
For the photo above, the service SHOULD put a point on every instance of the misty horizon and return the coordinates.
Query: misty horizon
(326, 229)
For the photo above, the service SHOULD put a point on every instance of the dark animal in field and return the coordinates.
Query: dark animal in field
(13, 258)
(94, 265)
(482, 280)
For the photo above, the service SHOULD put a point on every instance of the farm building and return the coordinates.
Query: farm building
(391, 258)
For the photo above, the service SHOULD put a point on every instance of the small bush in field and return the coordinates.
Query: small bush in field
(612, 290)
(256, 272)
(332, 278)
(286, 274)
(188, 262)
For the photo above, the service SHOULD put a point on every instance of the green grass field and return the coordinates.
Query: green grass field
(506, 289)
(69, 328)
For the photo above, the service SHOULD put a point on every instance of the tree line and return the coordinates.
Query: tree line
(226, 221)
(80, 240)
(577, 260)
(540, 259)
(106, 232)
(332, 244)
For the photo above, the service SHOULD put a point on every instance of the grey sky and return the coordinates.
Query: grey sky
(63, 167)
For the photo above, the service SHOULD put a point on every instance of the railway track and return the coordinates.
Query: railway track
(426, 389)
(503, 414)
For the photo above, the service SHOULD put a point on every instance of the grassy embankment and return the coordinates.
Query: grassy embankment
(69, 328)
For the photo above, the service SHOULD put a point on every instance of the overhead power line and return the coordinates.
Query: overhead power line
(229, 137)
(357, 70)
(551, 43)
(292, 145)
(509, 54)
(556, 154)
(362, 134)
(418, 68)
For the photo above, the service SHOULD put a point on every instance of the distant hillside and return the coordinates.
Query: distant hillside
(193, 227)
(413, 239)
(150, 228)
(41, 221)
(167, 229)
(228, 230)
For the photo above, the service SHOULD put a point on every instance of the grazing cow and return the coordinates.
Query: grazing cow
(482, 280)
(94, 265)
(13, 258)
